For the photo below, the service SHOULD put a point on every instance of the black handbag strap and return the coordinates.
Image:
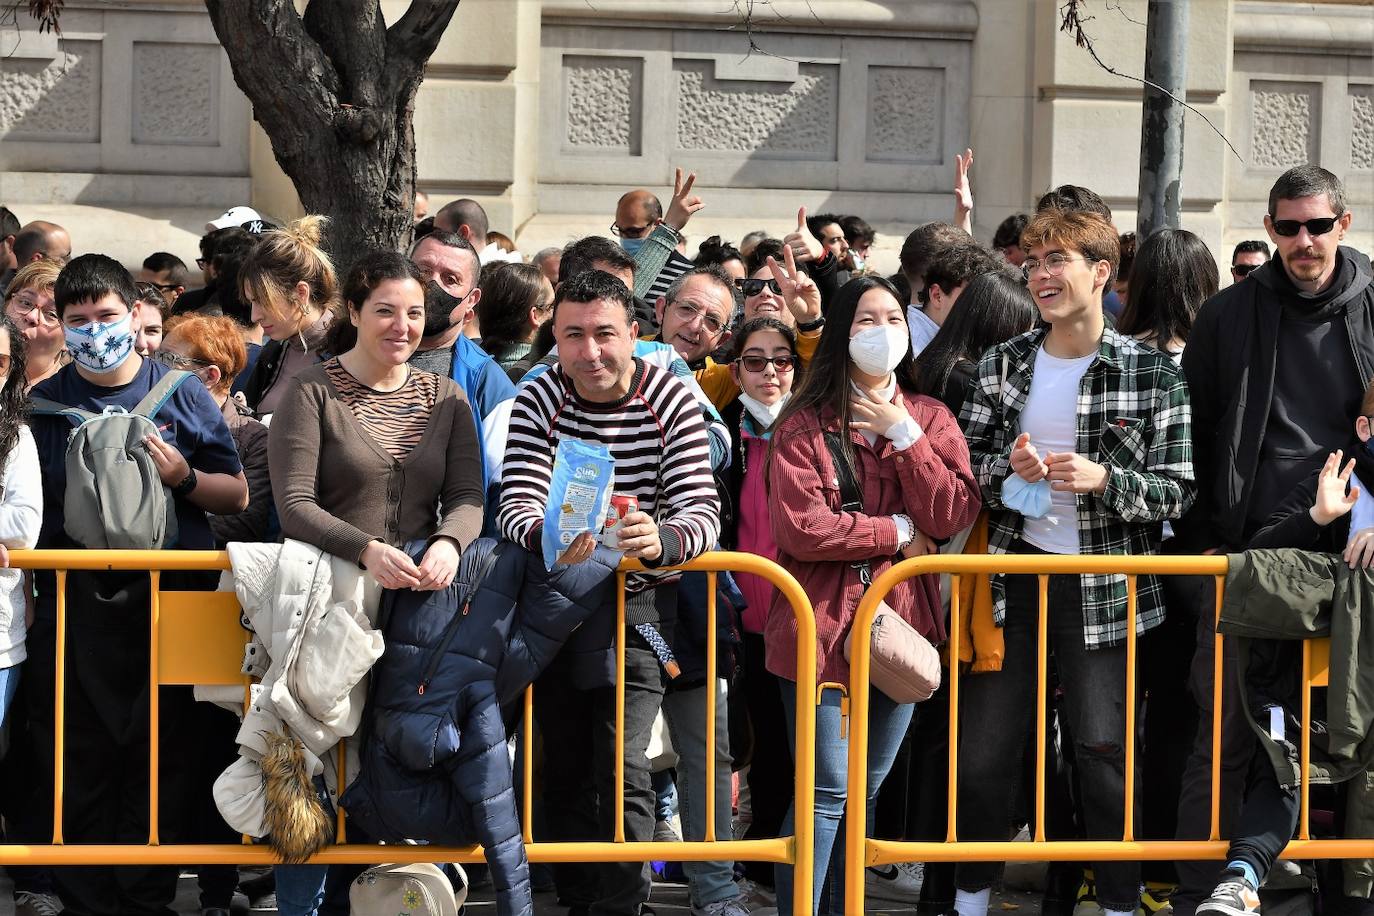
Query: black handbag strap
(850, 500)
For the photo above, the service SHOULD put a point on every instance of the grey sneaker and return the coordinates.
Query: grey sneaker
(735, 906)
(30, 904)
(1233, 897)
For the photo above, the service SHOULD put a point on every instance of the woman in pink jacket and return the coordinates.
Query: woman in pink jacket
(911, 465)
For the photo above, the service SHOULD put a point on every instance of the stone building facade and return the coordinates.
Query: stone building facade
(130, 131)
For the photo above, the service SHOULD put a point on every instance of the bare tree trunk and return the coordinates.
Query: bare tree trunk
(335, 92)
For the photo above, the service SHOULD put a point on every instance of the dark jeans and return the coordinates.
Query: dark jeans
(770, 774)
(106, 763)
(1094, 683)
(1267, 818)
(1169, 716)
(579, 777)
(1198, 878)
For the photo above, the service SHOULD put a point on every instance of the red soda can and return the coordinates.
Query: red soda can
(621, 506)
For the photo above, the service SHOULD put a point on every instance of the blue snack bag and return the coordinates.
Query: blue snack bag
(579, 495)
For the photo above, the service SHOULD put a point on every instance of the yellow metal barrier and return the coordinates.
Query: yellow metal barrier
(195, 638)
(861, 850)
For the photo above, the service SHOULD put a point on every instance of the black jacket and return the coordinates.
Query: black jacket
(1229, 363)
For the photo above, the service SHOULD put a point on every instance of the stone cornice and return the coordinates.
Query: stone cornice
(904, 18)
(1303, 27)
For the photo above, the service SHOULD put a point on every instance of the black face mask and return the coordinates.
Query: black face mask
(439, 306)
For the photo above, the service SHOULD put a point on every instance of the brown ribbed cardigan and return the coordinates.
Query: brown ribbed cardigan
(338, 489)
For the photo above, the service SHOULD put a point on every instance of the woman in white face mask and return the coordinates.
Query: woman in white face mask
(856, 408)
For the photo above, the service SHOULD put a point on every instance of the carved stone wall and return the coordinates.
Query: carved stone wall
(123, 92)
(848, 109)
(176, 93)
(1362, 128)
(603, 103)
(1284, 119)
(784, 120)
(52, 99)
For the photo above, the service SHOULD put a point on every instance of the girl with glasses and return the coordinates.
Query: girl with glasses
(765, 367)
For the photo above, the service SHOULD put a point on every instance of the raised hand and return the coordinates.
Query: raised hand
(684, 202)
(963, 191)
(1332, 500)
(805, 246)
(798, 290)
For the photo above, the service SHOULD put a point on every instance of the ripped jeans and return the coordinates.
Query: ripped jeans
(997, 710)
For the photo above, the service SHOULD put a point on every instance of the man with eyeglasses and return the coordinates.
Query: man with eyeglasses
(1247, 257)
(1277, 366)
(1079, 438)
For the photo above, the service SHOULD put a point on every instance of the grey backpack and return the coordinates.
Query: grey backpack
(114, 497)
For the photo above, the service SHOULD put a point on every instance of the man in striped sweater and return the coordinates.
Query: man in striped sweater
(601, 393)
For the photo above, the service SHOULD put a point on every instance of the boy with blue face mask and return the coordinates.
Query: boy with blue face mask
(106, 707)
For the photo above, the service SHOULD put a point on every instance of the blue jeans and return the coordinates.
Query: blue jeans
(300, 889)
(685, 710)
(887, 724)
(9, 683)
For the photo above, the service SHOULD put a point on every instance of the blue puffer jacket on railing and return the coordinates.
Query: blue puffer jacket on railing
(434, 765)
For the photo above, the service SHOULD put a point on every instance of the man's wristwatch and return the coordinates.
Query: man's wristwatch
(815, 324)
(187, 484)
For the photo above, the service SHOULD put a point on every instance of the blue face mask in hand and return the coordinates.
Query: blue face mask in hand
(1030, 499)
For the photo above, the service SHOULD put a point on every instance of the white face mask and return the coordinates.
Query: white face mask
(877, 351)
(765, 415)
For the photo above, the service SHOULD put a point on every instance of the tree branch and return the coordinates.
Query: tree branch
(1072, 20)
(413, 38)
(290, 81)
(352, 34)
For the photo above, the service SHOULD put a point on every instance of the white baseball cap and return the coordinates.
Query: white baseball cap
(234, 216)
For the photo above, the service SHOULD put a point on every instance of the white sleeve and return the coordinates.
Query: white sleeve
(495, 429)
(21, 503)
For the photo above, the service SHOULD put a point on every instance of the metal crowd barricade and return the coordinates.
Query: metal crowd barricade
(862, 850)
(195, 638)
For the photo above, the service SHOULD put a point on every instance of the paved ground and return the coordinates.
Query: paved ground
(668, 900)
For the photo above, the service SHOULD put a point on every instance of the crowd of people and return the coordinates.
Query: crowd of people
(354, 432)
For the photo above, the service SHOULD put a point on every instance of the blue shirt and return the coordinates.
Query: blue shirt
(193, 423)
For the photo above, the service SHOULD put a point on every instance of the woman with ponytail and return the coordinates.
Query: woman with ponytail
(293, 290)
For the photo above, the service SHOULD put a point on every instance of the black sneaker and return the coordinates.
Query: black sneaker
(1233, 897)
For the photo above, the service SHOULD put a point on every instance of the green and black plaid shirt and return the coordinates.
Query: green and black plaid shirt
(1133, 417)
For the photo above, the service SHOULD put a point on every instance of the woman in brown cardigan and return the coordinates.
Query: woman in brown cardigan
(368, 453)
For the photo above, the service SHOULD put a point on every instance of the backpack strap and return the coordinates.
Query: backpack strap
(45, 408)
(850, 499)
(160, 393)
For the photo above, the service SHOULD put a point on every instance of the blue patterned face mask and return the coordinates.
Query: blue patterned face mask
(1029, 499)
(101, 347)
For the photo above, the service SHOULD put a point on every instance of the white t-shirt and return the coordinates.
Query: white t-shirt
(923, 328)
(1051, 418)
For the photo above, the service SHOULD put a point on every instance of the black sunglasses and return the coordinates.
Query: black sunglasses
(751, 287)
(753, 363)
(1243, 270)
(1319, 226)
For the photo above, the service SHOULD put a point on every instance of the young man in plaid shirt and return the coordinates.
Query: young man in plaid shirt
(1080, 440)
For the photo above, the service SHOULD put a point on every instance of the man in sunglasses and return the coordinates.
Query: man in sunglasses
(1249, 256)
(1277, 366)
